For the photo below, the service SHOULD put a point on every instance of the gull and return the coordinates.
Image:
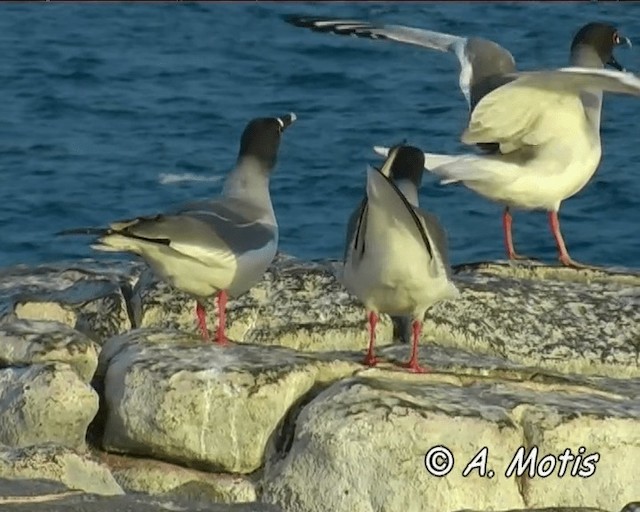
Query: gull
(406, 173)
(545, 129)
(396, 258)
(216, 247)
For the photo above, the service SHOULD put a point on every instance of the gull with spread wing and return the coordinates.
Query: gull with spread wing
(545, 126)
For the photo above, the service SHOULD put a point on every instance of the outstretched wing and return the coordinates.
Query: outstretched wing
(439, 41)
(537, 106)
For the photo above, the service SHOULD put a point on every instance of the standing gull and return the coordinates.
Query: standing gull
(221, 246)
(396, 260)
(546, 128)
(406, 171)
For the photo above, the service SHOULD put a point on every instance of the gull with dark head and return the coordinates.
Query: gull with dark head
(216, 247)
(406, 171)
(396, 257)
(542, 131)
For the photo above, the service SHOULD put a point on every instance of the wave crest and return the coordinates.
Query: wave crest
(168, 178)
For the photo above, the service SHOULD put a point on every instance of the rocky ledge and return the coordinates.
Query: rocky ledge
(109, 397)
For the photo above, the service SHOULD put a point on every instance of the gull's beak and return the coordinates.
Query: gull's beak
(286, 121)
(619, 41)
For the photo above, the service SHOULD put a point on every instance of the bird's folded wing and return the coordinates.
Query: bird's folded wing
(205, 236)
(356, 229)
(437, 237)
(188, 236)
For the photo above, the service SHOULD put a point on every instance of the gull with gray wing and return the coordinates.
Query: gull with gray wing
(545, 126)
(396, 259)
(219, 247)
(406, 172)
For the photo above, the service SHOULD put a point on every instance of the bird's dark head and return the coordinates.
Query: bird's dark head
(261, 139)
(601, 38)
(408, 164)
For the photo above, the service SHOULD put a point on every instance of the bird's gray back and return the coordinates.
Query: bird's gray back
(489, 62)
(236, 223)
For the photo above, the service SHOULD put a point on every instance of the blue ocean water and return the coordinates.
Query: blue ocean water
(111, 110)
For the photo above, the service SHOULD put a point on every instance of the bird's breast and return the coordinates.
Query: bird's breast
(251, 266)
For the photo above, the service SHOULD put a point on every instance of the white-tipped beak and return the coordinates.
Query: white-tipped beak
(381, 150)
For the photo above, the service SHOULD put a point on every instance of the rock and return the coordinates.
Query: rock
(88, 296)
(44, 496)
(58, 464)
(25, 342)
(45, 403)
(298, 304)
(155, 477)
(361, 444)
(560, 319)
(555, 509)
(556, 318)
(170, 396)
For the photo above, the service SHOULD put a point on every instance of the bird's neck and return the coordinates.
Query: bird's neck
(249, 182)
(586, 57)
(409, 190)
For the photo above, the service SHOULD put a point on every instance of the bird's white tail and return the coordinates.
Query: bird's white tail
(470, 168)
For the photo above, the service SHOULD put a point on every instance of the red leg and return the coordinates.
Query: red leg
(221, 337)
(370, 359)
(563, 254)
(202, 320)
(413, 365)
(507, 222)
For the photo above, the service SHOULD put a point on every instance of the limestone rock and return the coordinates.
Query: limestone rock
(584, 322)
(172, 396)
(160, 478)
(555, 318)
(362, 444)
(298, 304)
(88, 296)
(45, 403)
(45, 496)
(58, 464)
(25, 342)
(553, 509)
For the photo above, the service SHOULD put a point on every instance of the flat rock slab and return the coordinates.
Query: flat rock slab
(552, 317)
(172, 396)
(365, 444)
(26, 342)
(58, 464)
(584, 322)
(39, 495)
(148, 476)
(298, 304)
(45, 403)
(556, 318)
(89, 296)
